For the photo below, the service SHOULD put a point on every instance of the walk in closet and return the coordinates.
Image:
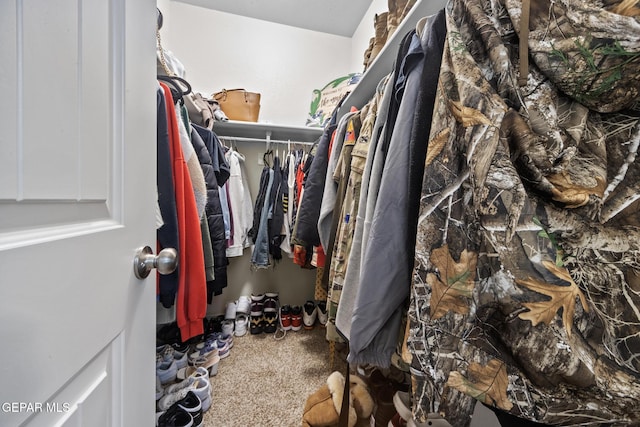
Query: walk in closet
(465, 206)
(496, 274)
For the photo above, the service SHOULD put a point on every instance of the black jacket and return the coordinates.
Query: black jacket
(216, 172)
(305, 232)
(167, 235)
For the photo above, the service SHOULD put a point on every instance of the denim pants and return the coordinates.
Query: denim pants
(260, 255)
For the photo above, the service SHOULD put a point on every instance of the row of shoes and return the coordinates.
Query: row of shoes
(184, 403)
(183, 371)
(385, 24)
(264, 313)
(177, 361)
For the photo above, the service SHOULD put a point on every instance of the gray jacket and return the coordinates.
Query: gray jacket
(385, 284)
(352, 275)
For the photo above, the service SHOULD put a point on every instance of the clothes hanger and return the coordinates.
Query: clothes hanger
(177, 92)
(265, 157)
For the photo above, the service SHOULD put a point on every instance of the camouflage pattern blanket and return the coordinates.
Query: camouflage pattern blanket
(526, 292)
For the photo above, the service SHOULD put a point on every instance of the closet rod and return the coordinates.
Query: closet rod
(272, 141)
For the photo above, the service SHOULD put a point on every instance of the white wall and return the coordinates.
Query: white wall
(283, 63)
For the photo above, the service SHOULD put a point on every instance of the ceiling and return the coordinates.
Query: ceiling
(337, 17)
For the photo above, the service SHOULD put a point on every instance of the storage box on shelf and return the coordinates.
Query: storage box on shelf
(383, 62)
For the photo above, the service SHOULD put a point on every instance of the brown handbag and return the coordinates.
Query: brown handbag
(238, 104)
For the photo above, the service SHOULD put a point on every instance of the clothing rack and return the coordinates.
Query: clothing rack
(267, 140)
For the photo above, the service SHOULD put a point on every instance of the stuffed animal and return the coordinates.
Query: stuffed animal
(323, 407)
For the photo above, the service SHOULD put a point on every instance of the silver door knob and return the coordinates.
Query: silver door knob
(166, 261)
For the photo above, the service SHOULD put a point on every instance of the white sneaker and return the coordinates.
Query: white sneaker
(169, 399)
(242, 321)
(227, 326)
(167, 372)
(309, 314)
(202, 389)
(181, 359)
(203, 370)
(230, 313)
(187, 382)
(200, 386)
(243, 306)
(323, 315)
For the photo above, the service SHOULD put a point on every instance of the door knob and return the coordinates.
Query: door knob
(166, 261)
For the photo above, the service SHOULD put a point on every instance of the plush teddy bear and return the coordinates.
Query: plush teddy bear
(323, 407)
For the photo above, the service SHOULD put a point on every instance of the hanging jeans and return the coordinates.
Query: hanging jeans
(260, 256)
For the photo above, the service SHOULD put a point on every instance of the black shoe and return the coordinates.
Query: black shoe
(168, 334)
(270, 322)
(257, 324)
(175, 417)
(191, 403)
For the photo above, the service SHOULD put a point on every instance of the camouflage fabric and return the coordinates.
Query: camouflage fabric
(354, 151)
(526, 292)
(341, 245)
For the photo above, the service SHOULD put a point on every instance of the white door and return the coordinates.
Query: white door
(77, 197)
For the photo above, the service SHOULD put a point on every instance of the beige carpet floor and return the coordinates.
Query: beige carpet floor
(265, 383)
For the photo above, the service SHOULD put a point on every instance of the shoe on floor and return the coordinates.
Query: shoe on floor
(270, 325)
(223, 349)
(165, 352)
(270, 302)
(230, 312)
(257, 305)
(187, 382)
(228, 326)
(242, 322)
(201, 387)
(191, 403)
(181, 359)
(169, 333)
(402, 403)
(323, 316)
(243, 306)
(296, 318)
(176, 417)
(285, 317)
(167, 372)
(217, 336)
(397, 421)
(309, 314)
(256, 325)
(208, 364)
(192, 371)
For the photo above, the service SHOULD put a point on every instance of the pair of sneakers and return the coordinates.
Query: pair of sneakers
(264, 313)
(169, 360)
(237, 317)
(291, 317)
(313, 311)
(187, 412)
(192, 395)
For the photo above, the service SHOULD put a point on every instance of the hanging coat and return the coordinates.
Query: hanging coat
(218, 176)
(525, 291)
